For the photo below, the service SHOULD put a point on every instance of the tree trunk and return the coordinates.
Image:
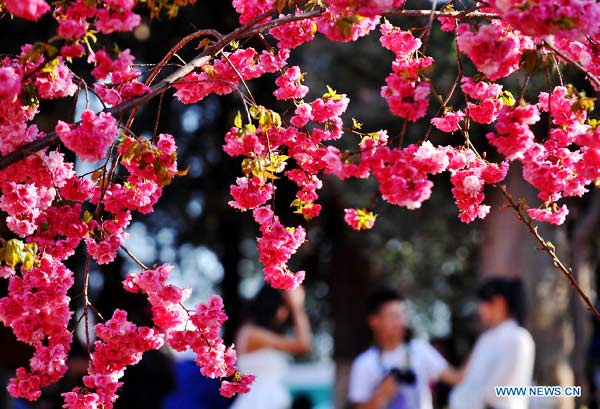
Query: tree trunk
(352, 276)
(581, 250)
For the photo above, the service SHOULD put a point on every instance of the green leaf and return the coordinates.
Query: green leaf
(238, 120)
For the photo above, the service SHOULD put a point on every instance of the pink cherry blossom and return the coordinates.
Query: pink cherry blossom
(27, 9)
(494, 48)
(449, 122)
(249, 193)
(90, 139)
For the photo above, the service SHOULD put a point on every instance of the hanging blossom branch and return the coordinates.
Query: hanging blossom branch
(546, 246)
(247, 30)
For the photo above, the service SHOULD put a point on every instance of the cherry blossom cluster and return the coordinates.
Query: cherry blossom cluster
(124, 83)
(469, 176)
(120, 344)
(572, 19)
(495, 49)
(406, 92)
(45, 200)
(174, 320)
(224, 75)
(110, 15)
(345, 27)
(585, 52)
(364, 7)
(403, 176)
(359, 219)
(295, 33)
(37, 310)
(91, 138)
(487, 105)
(276, 246)
(266, 148)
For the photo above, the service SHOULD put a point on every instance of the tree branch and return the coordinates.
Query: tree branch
(548, 247)
(247, 30)
(574, 63)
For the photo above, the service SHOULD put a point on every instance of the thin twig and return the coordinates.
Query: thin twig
(427, 33)
(549, 248)
(158, 112)
(241, 79)
(134, 258)
(574, 63)
(86, 301)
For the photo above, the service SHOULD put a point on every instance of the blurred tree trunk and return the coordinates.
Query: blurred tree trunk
(508, 249)
(351, 282)
(352, 276)
(583, 270)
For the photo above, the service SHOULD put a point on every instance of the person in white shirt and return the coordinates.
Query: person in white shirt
(397, 372)
(503, 355)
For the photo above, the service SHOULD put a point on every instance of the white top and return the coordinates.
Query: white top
(268, 390)
(371, 366)
(503, 356)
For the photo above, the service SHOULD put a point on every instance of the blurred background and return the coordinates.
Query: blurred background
(428, 253)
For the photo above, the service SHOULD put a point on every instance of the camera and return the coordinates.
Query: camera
(403, 375)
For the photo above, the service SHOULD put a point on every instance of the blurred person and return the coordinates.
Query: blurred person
(503, 355)
(397, 371)
(263, 350)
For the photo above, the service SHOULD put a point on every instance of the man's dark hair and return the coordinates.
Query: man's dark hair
(511, 289)
(381, 296)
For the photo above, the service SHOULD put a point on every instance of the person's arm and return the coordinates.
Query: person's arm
(295, 299)
(299, 342)
(451, 375)
(366, 389)
(436, 366)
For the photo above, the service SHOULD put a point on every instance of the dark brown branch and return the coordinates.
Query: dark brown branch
(549, 248)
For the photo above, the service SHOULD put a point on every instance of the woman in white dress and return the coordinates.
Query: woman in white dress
(264, 351)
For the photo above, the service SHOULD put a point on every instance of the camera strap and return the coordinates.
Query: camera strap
(408, 395)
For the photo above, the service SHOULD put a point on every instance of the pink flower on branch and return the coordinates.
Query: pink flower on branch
(290, 85)
(10, 84)
(27, 9)
(276, 246)
(359, 219)
(92, 137)
(406, 93)
(556, 216)
(495, 48)
(449, 122)
(249, 193)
